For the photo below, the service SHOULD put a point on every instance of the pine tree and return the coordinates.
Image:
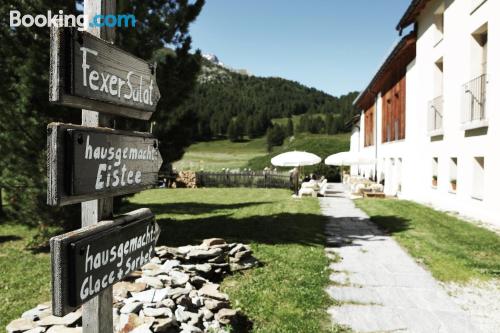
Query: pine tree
(307, 123)
(340, 123)
(289, 127)
(250, 129)
(241, 128)
(204, 129)
(329, 124)
(25, 113)
(25, 110)
(301, 127)
(214, 126)
(232, 132)
(275, 136)
(335, 126)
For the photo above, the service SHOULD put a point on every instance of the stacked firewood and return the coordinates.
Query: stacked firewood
(185, 179)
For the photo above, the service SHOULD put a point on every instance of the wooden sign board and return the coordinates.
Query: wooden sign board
(87, 72)
(87, 163)
(91, 259)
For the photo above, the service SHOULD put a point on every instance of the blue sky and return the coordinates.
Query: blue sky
(332, 45)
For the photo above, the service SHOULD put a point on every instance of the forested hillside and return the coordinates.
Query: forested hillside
(228, 100)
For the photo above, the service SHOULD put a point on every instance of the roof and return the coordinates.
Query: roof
(402, 54)
(411, 13)
(354, 120)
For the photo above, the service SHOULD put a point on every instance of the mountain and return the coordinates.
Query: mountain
(224, 95)
(213, 59)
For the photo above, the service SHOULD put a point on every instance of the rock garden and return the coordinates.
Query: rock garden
(178, 291)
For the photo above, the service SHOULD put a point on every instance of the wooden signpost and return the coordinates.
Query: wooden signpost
(88, 72)
(91, 259)
(89, 163)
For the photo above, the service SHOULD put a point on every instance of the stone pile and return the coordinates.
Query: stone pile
(176, 292)
(185, 179)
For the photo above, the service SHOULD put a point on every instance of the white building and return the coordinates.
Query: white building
(431, 115)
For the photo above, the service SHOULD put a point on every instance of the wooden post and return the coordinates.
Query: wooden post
(97, 315)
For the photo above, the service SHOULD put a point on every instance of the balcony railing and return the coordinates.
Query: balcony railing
(435, 115)
(474, 100)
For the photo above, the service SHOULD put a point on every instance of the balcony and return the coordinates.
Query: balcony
(435, 116)
(474, 103)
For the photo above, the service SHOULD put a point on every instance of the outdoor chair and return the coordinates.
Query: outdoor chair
(312, 187)
(307, 191)
(323, 186)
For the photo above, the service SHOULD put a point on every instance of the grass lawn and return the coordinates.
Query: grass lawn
(322, 145)
(452, 249)
(218, 154)
(296, 119)
(24, 276)
(287, 293)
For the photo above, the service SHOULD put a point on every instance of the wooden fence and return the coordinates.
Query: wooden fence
(246, 179)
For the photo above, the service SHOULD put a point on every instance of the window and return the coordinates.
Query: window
(435, 165)
(394, 111)
(438, 77)
(453, 174)
(435, 105)
(484, 52)
(479, 51)
(369, 126)
(387, 119)
(474, 91)
(478, 178)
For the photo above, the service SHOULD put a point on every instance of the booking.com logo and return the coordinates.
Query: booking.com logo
(80, 21)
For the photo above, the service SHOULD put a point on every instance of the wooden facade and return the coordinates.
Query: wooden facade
(394, 109)
(370, 126)
(390, 83)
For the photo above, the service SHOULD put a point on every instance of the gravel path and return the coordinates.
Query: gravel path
(481, 300)
(380, 286)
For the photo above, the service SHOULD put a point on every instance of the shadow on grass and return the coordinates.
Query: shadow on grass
(391, 224)
(191, 208)
(241, 323)
(8, 238)
(283, 228)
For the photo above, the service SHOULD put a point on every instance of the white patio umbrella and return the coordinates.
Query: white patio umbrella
(348, 158)
(339, 159)
(295, 159)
